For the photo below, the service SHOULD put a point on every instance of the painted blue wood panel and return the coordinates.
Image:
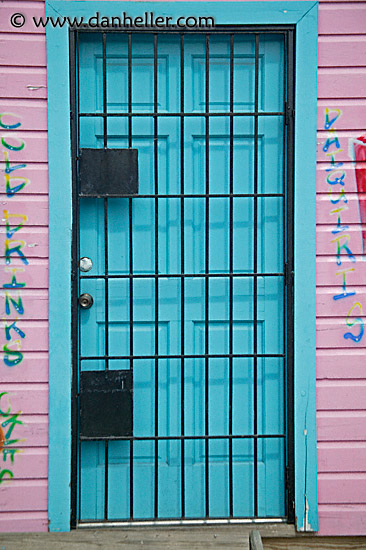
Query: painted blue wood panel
(270, 290)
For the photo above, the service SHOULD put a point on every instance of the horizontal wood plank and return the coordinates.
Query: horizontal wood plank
(342, 51)
(341, 83)
(34, 9)
(328, 213)
(30, 399)
(35, 304)
(341, 425)
(353, 113)
(32, 433)
(333, 364)
(342, 151)
(24, 82)
(330, 333)
(342, 488)
(35, 243)
(30, 113)
(329, 274)
(36, 335)
(188, 537)
(36, 173)
(328, 243)
(341, 457)
(34, 275)
(30, 463)
(343, 520)
(34, 207)
(315, 542)
(35, 147)
(339, 395)
(333, 191)
(24, 495)
(26, 50)
(33, 368)
(31, 522)
(336, 302)
(345, 18)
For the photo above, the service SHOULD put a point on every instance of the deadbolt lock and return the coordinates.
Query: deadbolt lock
(86, 301)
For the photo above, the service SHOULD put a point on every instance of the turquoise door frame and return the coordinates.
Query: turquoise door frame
(304, 15)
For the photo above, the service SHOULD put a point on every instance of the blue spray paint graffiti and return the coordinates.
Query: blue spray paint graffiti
(13, 249)
(336, 179)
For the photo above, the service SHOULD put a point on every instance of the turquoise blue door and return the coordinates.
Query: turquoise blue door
(187, 275)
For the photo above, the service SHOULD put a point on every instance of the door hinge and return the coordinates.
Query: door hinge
(289, 113)
(289, 275)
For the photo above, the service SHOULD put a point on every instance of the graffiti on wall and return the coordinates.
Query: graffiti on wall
(8, 444)
(336, 180)
(14, 245)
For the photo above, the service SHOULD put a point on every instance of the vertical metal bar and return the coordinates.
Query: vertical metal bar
(130, 217)
(106, 287)
(129, 90)
(284, 252)
(207, 267)
(182, 317)
(231, 271)
(75, 479)
(104, 91)
(255, 270)
(76, 117)
(290, 261)
(156, 503)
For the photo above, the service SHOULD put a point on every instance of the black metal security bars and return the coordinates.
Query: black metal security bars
(133, 355)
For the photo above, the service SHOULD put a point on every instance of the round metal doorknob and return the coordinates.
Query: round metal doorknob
(86, 301)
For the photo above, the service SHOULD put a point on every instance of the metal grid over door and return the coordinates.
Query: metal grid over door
(182, 399)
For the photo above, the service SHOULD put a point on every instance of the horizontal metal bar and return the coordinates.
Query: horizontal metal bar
(185, 114)
(218, 29)
(188, 196)
(186, 356)
(184, 437)
(175, 522)
(181, 275)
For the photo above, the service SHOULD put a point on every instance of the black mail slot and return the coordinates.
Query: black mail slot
(105, 399)
(108, 172)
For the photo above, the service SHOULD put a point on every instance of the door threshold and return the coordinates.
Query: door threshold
(179, 522)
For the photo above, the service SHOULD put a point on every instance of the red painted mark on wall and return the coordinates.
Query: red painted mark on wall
(14, 245)
(357, 151)
(337, 184)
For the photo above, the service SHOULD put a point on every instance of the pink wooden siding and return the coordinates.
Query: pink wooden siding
(24, 500)
(341, 367)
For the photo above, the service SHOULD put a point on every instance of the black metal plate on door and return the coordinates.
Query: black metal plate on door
(105, 404)
(108, 172)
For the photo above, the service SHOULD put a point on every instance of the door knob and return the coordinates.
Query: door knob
(85, 264)
(86, 301)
